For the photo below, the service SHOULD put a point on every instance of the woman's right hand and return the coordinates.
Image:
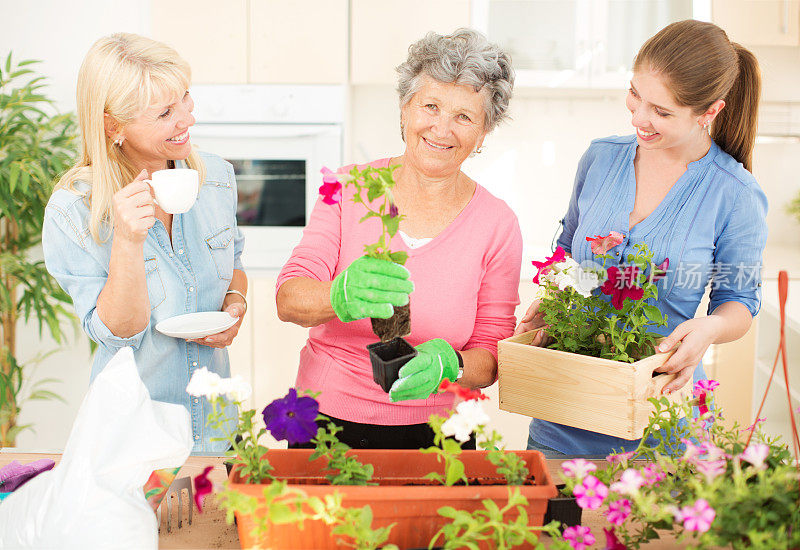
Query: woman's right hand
(532, 319)
(370, 287)
(134, 210)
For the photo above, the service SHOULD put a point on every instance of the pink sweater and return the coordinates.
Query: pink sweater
(466, 289)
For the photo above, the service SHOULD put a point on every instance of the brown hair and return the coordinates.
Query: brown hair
(701, 65)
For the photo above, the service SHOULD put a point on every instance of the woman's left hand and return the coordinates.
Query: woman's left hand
(694, 335)
(224, 338)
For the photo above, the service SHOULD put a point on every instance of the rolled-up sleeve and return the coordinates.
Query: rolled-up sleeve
(738, 253)
(81, 275)
(498, 295)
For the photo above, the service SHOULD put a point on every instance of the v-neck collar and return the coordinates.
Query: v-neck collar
(655, 216)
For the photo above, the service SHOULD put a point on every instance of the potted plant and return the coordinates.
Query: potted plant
(35, 146)
(374, 186)
(313, 498)
(709, 485)
(596, 368)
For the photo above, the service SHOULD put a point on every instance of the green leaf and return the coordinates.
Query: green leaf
(392, 224)
(399, 257)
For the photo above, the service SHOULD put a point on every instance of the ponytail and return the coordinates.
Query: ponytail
(734, 128)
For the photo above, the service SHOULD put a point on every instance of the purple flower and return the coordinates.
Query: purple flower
(612, 542)
(698, 517)
(618, 511)
(579, 537)
(202, 487)
(393, 211)
(590, 493)
(292, 418)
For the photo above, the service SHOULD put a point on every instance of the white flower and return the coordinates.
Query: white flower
(468, 416)
(756, 455)
(237, 388)
(629, 483)
(570, 274)
(205, 383)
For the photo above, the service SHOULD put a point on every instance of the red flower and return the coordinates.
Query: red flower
(331, 189)
(202, 487)
(621, 284)
(659, 271)
(543, 267)
(601, 245)
(464, 393)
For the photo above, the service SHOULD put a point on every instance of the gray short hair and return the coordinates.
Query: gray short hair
(465, 57)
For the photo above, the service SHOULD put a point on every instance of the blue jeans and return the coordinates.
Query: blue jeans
(548, 452)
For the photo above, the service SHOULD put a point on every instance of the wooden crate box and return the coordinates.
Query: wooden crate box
(609, 397)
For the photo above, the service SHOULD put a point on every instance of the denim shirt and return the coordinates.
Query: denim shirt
(711, 225)
(191, 273)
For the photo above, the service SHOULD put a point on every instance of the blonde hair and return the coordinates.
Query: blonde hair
(121, 76)
(701, 66)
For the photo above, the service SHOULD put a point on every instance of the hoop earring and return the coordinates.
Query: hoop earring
(478, 150)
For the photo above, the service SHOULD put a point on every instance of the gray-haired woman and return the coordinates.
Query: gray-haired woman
(464, 251)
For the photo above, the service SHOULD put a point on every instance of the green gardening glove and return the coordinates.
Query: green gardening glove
(421, 376)
(370, 287)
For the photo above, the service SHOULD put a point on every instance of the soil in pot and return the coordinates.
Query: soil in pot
(396, 326)
(564, 509)
(387, 358)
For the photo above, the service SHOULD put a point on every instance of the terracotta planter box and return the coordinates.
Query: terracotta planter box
(609, 397)
(402, 496)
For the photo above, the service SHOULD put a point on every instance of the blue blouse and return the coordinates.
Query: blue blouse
(190, 273)
(711, 225)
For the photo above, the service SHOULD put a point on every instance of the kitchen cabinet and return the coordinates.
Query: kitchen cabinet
(257, 41)
(382, 31)
(210, 35)
(759, 22)
(575, 43)
(302, 41)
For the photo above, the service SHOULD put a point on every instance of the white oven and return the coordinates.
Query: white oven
(277, 138)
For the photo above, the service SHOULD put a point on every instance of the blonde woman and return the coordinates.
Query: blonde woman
(125, 262)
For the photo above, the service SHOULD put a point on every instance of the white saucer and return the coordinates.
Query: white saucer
(196, 325)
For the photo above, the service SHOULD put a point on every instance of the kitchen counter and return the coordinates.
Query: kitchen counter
(209, 529)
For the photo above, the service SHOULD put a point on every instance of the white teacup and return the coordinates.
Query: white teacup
(175, 189)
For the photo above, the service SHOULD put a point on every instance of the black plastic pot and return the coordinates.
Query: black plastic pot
(564, 509)
(387, 358)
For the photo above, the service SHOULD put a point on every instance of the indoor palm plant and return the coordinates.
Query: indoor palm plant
(36, 145)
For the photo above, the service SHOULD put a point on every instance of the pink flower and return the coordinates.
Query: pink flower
(590, 493)
(659, 271)
(756, 423)
(202, 487)
(698, 517)
(331, 189)
(543, 267)
(693, 452)
(701, 388)
(579, 537)
(601, 245)
(464, 393)
(620, 458)
(711, 468)
(652, 474)
(618, 511)
(629, 483)
(712, 452)
(578, 468)
(621, 284)
(756, 454)
(612, 542)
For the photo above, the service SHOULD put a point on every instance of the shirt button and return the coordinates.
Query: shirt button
(180, 251)
(195, 400)
(194, 363)
(191, 289)
(196, 437)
